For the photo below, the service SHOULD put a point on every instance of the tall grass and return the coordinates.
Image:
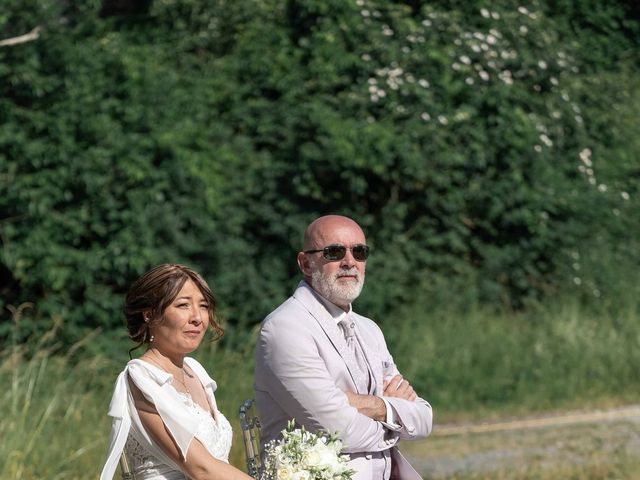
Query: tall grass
(54, 423)
(52, 419)
(479, 362)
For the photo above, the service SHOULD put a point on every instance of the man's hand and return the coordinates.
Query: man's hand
(368, 405)
(400, 388)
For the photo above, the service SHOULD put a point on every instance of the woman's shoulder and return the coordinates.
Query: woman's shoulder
(139, 370)
(201, 372)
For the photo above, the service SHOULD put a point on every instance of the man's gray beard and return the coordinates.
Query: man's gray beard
(328, 286)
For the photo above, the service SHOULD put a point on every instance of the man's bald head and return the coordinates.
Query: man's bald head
(317, 233)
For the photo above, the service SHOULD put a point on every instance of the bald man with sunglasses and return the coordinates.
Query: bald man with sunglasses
(319, 362)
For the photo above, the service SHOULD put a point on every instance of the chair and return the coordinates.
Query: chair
(125, 469)
(250, 424)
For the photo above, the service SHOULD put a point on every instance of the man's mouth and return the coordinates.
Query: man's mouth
(349, 276)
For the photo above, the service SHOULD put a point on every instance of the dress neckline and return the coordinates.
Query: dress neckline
(185, 395)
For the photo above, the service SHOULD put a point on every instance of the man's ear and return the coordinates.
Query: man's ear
(303, 263)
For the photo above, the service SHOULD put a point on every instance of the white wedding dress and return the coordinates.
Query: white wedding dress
(215, 435)
(184, 419)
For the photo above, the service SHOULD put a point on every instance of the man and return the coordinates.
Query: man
(327, 367)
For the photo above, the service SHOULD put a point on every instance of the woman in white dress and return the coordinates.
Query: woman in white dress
(164, 411)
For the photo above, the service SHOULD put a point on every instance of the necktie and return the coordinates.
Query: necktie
(354, 357)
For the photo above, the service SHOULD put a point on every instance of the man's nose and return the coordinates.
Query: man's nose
(348, 261)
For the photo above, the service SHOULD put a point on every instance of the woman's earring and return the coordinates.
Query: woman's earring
(151, 339)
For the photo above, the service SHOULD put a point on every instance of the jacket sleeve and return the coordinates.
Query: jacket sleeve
(415, 418)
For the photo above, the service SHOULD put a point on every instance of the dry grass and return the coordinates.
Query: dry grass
(605, 449)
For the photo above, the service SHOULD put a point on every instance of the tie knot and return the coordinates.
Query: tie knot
(348, 327)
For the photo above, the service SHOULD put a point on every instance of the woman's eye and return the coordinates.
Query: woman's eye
(182, 305)
(205, 306)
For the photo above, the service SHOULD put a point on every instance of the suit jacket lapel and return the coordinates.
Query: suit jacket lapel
(305, 295)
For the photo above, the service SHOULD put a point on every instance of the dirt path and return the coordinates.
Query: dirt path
(556, 420)
(542, 442)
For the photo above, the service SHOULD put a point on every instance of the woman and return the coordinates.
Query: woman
(164, 412)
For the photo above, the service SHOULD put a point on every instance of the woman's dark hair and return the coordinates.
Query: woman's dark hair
(153, 292)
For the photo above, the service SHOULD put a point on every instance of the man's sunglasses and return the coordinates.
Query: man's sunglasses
(337, 252)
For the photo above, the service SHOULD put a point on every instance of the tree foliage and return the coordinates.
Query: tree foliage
(487, 149)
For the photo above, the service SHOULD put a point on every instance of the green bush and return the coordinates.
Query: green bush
(488, 151)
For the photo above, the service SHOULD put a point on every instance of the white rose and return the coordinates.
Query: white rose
(300, 475)
(283, 473)
(328, 458)
(311, 458)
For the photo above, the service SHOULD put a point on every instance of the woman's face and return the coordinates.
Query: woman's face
(184, 324)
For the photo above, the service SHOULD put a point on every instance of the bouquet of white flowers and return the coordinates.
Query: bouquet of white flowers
(302, 455)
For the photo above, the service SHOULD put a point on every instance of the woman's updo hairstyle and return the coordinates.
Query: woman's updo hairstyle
(153, 292)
